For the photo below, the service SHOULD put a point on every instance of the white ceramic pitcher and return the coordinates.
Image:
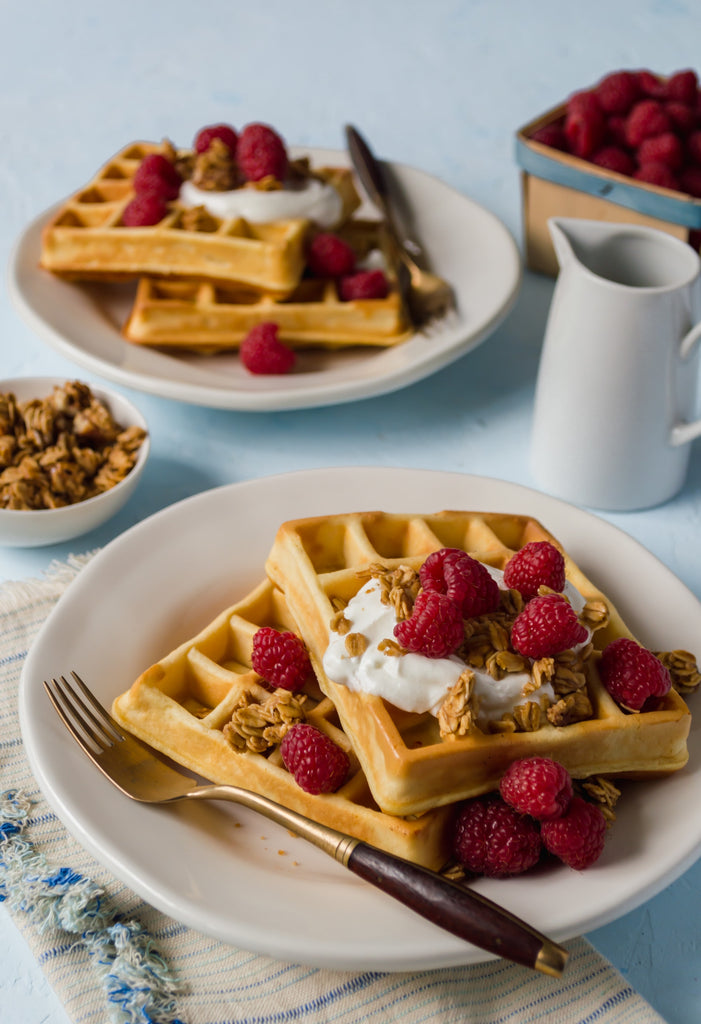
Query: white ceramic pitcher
(617, 386)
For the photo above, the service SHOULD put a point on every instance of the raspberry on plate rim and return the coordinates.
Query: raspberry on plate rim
(262, 352)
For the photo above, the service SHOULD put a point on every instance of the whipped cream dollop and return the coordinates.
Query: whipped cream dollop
(313, 200)
(412, 681)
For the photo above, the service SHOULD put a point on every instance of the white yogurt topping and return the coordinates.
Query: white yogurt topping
(315, 200)
(414, 682)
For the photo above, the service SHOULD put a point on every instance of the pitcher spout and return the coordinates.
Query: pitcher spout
(629, 255)
(562, 244)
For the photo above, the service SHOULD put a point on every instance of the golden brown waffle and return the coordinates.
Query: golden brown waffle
(408, 765)
(182, 704)
(86, 240)
(207, 317)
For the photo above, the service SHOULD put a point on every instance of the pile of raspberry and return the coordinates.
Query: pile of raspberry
(637, 124)
(535, 810)
(258, 151)
(455, 587)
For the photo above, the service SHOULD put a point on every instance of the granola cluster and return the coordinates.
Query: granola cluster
(62, 449)
(259, 725)
(683, 669)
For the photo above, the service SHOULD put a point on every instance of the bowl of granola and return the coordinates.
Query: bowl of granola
(70, 457)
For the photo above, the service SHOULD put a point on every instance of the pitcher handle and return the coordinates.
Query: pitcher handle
(682, 433)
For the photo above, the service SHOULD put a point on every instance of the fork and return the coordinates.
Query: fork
(141, 774)
(426, 296)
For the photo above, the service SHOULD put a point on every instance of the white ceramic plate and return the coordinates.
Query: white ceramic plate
(468, 246)
(164, 579)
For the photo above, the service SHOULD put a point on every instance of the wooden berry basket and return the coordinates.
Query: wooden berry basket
(557, 184)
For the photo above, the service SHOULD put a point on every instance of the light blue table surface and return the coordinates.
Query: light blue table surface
(439, 85)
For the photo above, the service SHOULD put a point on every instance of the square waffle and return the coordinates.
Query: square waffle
(183, 704)
(408, 765)
(86, 240)
(209, 317)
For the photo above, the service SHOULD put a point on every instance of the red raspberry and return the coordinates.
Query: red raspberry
(693, 145)
(224, 132)
(537, 786)
(690, 182)
(492, 839)
(261, 153)
(647, 118)
(651, 85)
(613, 158)
(280, 658)
(682, 86)
(462, 578)
(616, 131)
(682, 116)
(157, 175)
(144, 210)
(365, 284)
(664, 149)
(330, 256)
(582, 100)
(632, 674)
(435, 628)
(545, 627)
(618, 92)
(585, 125)
(537, 564)
(318, 765)
(578, 837)
(657, 174)
(261, 352)
(552, 135)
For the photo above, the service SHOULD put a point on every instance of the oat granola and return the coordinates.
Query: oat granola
(682, 668)
(487, 647)
(61, 449)
(259, 726)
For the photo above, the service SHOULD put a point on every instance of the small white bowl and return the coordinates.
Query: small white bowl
(37, 527)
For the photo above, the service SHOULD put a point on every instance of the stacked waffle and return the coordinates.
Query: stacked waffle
(204, 705)
(205, 278)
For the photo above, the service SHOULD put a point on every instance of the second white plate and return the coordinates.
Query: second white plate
(468, 245)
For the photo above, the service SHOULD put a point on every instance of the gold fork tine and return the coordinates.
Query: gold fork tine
(65, 712)
(77, 718)
(105, 717)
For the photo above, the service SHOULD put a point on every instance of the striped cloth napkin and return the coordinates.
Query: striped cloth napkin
(111, 957)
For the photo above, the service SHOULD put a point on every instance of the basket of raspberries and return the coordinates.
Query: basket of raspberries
(627, 148)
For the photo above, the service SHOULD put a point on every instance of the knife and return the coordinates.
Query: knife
(411, 279)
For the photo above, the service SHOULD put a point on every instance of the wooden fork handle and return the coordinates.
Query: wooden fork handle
(453, 907)
(459, 910)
